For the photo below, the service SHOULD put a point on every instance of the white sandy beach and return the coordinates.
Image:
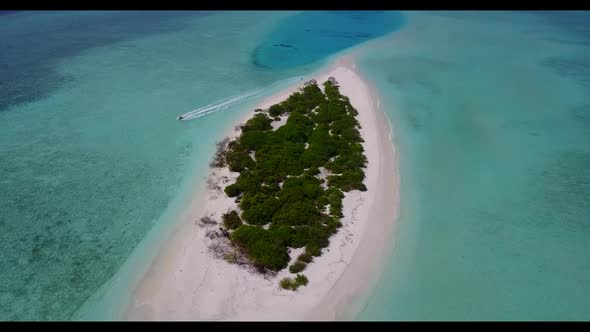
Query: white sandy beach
(186, 282)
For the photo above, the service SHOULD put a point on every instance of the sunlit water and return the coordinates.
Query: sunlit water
(491, 114)
(491, 118)
(92, 158)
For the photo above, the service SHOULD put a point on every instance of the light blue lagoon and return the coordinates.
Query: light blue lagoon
(92, 157)
(490, 113)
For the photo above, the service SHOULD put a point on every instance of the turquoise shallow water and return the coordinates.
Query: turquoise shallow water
(92, 157)
(492, 121)
(89, 167)
(490, 113)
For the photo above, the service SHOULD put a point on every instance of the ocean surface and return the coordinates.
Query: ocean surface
(491, 119)
(94, 165)
(491, 114)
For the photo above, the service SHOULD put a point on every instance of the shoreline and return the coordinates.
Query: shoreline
(348, 296)
(186, 282)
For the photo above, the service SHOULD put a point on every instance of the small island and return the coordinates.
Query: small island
(295, 161)
(312, 176)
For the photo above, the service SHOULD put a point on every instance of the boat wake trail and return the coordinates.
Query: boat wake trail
(224, 104)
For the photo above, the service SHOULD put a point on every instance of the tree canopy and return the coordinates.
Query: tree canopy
(284, 202)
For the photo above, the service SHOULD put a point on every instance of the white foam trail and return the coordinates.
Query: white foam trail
(223, 104)
(226, 103)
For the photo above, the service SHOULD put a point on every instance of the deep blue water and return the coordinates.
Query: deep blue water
(311, 36)
(33, 43)
(8, 12)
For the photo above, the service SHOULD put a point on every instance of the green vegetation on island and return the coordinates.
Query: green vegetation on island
(285, 201)
(293, 284)
(231, 220)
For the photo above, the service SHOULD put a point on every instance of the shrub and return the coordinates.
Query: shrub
(335, 197)
(288, 283)
(349, 160)
(322, 201)
(301, 280)
(334, 193)
(333, 223)
(297, 129)
(276, 110)
(305, 257)
(336, 210)
(231, 220)
(314, 250)
(298, 266)
(261, 213)
(321, 147)
(300, 190)
(232, 190)
(264, 250)
(313, 171)
(270, 189)
(285, 283)
(319, 236)
(249, 200)
(281, 159)
(250, 181)
(282, 232)
(275, 188)
(300, 236)
(352, 110)
(255, 139)
(298, 213)
(259, 121)
(237, 157)
(349, 180)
